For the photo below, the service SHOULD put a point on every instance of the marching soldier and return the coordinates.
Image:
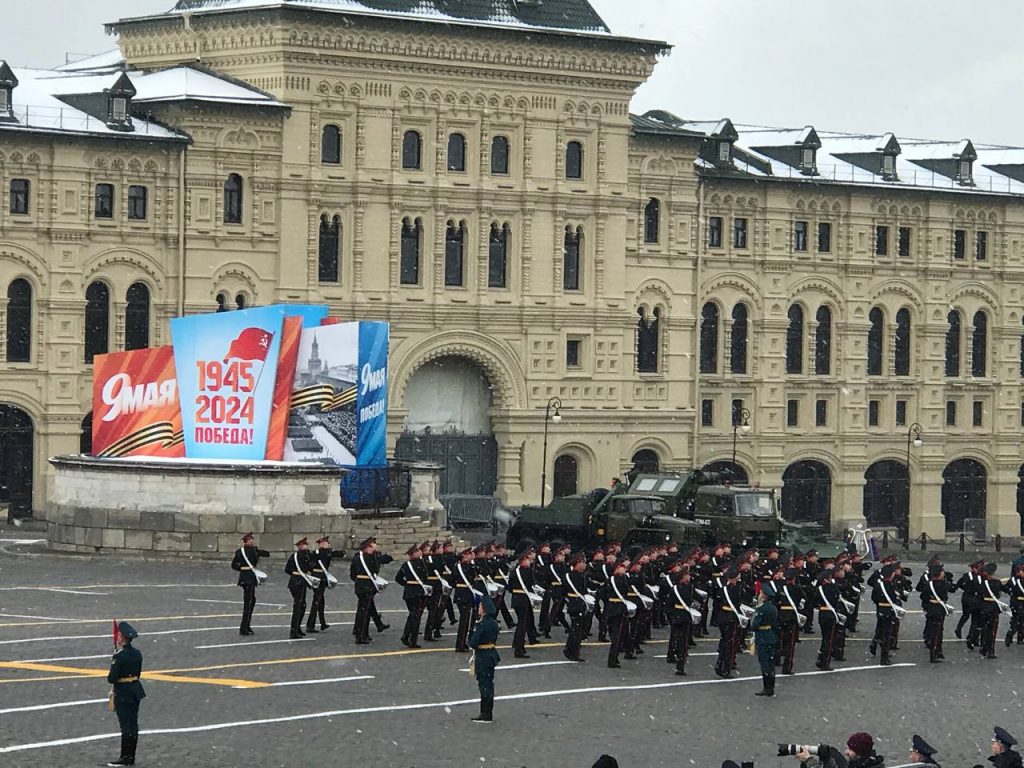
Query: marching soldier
(556, 592)
(809, 582)
(922, 752)
(728, 601)
(989, 609)
(1016, 591)
(790, 598)
(361, 572)
(521, 583)
(542, 578)
(826, 596)
(680, 611)
(617, 612)
(598, 573)
(435, 608)
(887, 605)
(462, 581)
(299, 569)
(450, 559)
(576, 597)
(246, 558)
(321, 569)
(935, 602)
(379, 559)
(967, 584)
(126, 691)
(765, 623)
(413, 577)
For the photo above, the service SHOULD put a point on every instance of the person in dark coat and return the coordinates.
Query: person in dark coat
(361, 573)
(245, 560)
(127, 691)
(413, 578)
(483, 640)
(321, 560)
(1003, 753)
(299, 569)
(765, 625)
(922, 752)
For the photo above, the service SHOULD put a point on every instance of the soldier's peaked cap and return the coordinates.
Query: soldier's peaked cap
(921, 746)
(247, 537)
(304, 541)
(412, 550)
(367, 542)
(127, 631)
(989, 568)
(1004, 737)
(322, 539)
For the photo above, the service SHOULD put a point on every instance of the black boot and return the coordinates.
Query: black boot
(771, 683)
(133, 742)
(764, 685)
(123, 759)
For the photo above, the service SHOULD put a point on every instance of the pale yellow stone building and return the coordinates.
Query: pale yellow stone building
(474, 177)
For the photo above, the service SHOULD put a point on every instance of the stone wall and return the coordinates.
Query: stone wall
(191, 509)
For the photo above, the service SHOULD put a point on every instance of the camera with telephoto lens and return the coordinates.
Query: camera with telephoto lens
(791, 750)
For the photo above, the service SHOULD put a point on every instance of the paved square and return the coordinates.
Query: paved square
(217, 698)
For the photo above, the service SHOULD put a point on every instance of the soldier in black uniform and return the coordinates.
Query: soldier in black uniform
(521, 583)
(556, 592)
(379, 559)
(988, 609)
(680, 613)
(728, 603)
(245, 560)
(1003, 753)
(321, 561)
(809, 582)
(127, 691)
(789, 599)
(450, 559)
(935, 603)
(887, 602)
(465, 588)
(575, 585)
(922, 752)
(500, 567)
(618, 616)
(1016, 591)
(597, 577)
(361, 572)
(967, 584)
(542, 578)
(825, 597)
(434, 608)
(413, 577)
(299, 569)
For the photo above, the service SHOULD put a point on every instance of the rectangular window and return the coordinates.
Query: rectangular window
(981, 246)
(977, 413)
(904, 242)
(874, 408)
(792, 413)
(19, 196)
(799, 235)
(901, 413)
(707, 413)
(1022, 414)
(572, 353)
(104, 207)
(821, 413)
(959, 244)
(715, 232)
(881, 240)
(737, 413)
(824, 237)
(739, 233)
(888, 165)
(951, 413)
(118, 109)
(137, 202)
(5, 105)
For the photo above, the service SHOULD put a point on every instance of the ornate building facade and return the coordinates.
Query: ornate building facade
(477, 180)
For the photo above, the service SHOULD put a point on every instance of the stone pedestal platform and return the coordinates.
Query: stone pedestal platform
(191, 508)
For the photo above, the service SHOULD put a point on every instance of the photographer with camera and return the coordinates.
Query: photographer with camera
(859, 753)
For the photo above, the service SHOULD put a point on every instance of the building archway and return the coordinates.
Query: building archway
(887, 495)
(646, 460)
(567, 473)
(807, 493)
(731, 472)
(449, 405)
(17, 444)
(964, 492)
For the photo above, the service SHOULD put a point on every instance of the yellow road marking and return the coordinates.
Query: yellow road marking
(156, 675)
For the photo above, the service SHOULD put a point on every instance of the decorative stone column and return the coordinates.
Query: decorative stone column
(425, 483)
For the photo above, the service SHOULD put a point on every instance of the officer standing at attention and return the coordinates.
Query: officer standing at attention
(245, 560)
(765, 623)
(299, 568)
(483, 640)
(922, 752)
(127, 692)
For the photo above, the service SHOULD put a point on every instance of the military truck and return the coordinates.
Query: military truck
(694, 508)
(589, 520)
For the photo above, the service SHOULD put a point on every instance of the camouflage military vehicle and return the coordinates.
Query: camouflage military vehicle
(589, 520)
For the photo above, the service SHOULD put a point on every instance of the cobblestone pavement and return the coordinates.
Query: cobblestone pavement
(265, 701)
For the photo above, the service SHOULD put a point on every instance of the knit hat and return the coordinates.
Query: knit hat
(861, 744)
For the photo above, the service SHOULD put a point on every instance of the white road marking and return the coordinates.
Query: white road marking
(106, 635)
(504, 667)
(257, 642)
(40, 707)
(232, 602)
(72, 591)
(66, 658)
(318, 681)
(26, 616)
(689, 655)
(22, 541)
(425, 705)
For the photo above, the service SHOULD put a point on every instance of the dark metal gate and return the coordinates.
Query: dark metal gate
(807, 493)
(17, 436)
(471, 461)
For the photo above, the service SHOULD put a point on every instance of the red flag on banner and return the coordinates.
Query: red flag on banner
(251, 344)
(117, 633)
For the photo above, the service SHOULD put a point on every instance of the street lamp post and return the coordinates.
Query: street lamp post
(913, 437)
(556, 417)
(740, 421)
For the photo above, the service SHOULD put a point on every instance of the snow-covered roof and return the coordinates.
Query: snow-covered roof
(44, 100)
(106, 60)
(573, 16)
(849, 158)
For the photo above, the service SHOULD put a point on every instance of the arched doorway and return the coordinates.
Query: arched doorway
(807, 493)
(17, 438)
(886, 495)
(964, 493)
(449, 422)
(646, 461)
(731, 472)
(567, 472)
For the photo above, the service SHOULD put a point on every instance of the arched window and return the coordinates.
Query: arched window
(233, 199)
(330, 145)
(222, 302)
(566, 476)
(709, 338)
(412, 232)
(329, 249)
(876, 338)
(136, 317)
(902, 343)
(647, 341)
(738, 342)
(953, 344)
(979, 345)
(823, 342)
(412, 150)
(574, 160)
(571, 259)
(497, 257)
(454, 252)
(240, 301)
(97, 320)
(456, 152)
(646, 460)
(795, 340)
(19, 321)
(652, 220)
(499, 155)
